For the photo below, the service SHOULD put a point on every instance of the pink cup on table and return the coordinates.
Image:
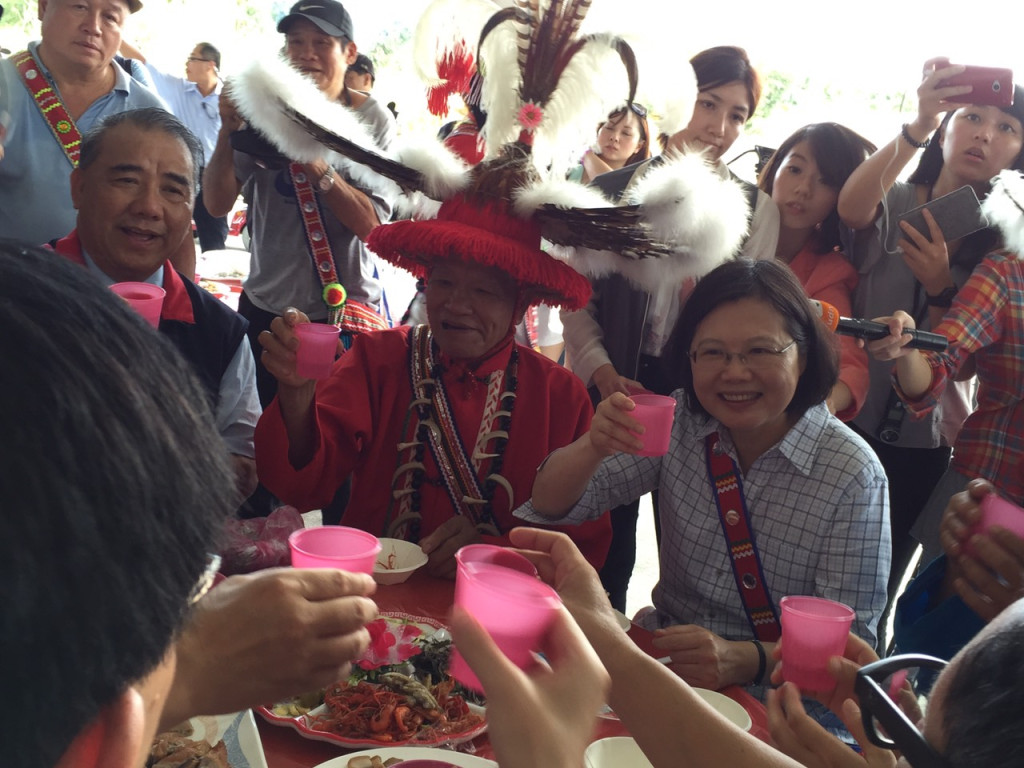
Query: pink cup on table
(494, 555)
(145, 298)
(813, 631)
(318, 345)
(656, 413)
(516, 610)
(334, 546)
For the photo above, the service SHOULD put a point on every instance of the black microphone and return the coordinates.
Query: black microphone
(869, 330)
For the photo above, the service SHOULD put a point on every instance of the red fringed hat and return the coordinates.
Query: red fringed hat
(485, 233)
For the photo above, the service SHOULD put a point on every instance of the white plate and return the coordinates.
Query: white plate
(732, 710)
(413, 753)
(239, 734)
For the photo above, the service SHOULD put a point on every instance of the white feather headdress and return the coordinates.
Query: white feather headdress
(1004, 207)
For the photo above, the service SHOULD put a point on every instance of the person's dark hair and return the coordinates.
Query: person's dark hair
(146, 119)
(115, 486)
(210, 53)
(837, 151)
(775, 284)
(644, 150)
(984, 698)
(726, 64)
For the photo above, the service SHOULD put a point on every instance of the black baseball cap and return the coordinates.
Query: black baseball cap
(329, 16)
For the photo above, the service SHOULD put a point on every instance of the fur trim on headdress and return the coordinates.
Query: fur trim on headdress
(1004, 207)
(266, 88)
(685, 204)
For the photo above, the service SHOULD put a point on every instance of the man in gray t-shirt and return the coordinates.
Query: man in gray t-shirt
(318, 42)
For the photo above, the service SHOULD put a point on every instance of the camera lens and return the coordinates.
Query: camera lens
(996, 86)
(888, 435)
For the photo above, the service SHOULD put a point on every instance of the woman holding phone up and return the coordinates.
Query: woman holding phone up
(901, 267)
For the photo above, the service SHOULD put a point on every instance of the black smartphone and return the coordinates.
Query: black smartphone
(958, 214)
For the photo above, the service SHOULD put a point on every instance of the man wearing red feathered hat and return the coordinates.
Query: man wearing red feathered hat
(441, 426)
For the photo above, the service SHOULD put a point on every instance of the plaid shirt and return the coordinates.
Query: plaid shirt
(987, 320)
(819, 512)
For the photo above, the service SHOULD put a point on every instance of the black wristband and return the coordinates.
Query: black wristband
(911, 140)
(762, 662)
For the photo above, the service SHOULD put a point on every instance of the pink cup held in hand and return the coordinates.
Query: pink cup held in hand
(656, 413)
(995, 510)
(145, 298)
(494, 555)
(813, 631)
(318, 345)
(334, 546)
(514, 608)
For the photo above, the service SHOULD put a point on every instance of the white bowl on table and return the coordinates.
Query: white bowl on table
(397, 561)
(615, 752)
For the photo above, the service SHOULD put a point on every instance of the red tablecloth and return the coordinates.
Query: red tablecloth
(423, 595)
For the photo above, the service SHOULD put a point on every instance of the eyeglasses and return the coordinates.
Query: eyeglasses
(756, 358)
(886, 690)
(206, 580)
(196, 58)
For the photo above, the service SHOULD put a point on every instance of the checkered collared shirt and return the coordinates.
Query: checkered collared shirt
(819, 513)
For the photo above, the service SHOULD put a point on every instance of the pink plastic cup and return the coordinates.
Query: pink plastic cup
(318, 345)
(145, 298)
(995, 510)
(334, 546)
(813, 631)
(656, 413)
(494, 555)
(514, 608)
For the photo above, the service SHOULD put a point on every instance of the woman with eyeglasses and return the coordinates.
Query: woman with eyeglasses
(804, 177)
(755, 456)
(618, 342)
(622, 139)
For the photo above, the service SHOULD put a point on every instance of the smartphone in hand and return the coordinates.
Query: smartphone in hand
(991, 86)
(958, 214)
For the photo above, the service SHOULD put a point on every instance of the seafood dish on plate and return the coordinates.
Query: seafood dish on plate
(398, 694)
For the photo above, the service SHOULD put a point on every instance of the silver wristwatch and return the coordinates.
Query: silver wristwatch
(326, 181)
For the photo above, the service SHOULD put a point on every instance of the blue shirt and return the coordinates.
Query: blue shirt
(200, 113)
(35, 194)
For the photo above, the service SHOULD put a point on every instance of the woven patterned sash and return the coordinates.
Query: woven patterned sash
(746, 562)
(50, 106)
(458, 472)
(351, 317)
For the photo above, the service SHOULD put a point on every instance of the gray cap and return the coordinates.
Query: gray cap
(329, 16)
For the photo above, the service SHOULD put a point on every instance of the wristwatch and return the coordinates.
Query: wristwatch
(326, 181)
(943, 299)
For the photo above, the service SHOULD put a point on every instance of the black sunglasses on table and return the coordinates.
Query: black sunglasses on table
(879, 687)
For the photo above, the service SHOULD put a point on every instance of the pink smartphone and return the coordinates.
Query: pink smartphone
(992, 86)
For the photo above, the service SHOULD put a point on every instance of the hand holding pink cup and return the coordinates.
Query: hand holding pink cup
(656, 413)
(145, 298)
(515, 608)
(318, 346)
(813, 631)
(334, 546)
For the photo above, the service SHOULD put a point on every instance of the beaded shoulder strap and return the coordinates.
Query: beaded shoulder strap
(50, 106)
(746, 562)
(351, 317)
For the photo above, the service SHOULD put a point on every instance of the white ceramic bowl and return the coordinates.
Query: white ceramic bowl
(615, 752)
(404, 557)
